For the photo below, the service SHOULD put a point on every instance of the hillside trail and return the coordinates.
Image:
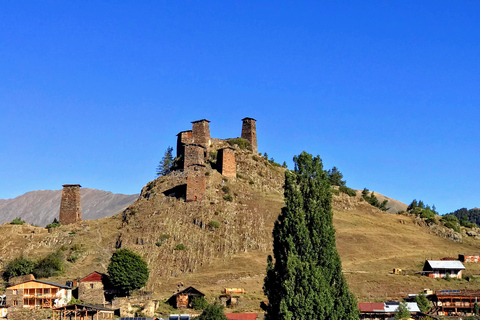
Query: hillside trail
(98, 244)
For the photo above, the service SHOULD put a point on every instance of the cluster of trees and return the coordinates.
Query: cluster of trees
(468, 218)
(424, 211)
(304, 277)
(49, 266)
(372, 199)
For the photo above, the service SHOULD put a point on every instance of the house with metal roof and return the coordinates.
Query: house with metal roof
(383, 310)
(37, 294)
(442, 268)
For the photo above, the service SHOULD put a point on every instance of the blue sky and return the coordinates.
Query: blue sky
(93, 92)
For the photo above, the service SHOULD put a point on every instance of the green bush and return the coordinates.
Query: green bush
(51, 265)
(199, 303)
(228, 197)
(17, 221)
(452, 225)
(180, 247)
(75, 301)
(349, 191)
(251, 182)
(18, 267)
(239, 176)
(53, 225)
(127, 271)
(214, 224)
(213, 312)
(241, 143)
(73, 257)
(226, 189)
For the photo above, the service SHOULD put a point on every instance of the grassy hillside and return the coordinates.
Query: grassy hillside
(370, 242)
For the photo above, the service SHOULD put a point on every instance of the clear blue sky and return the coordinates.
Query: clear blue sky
(93, 92)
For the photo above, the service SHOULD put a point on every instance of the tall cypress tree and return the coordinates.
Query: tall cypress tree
(305, 281)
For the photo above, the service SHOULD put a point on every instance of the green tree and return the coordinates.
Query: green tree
(335, 177)
(305, 281)
(422, 302)
(476, 308)
(213, 312)
(18, 267)
(199, 303)
(51, 265)
(166, 164)
(127, 270)
(402, 312)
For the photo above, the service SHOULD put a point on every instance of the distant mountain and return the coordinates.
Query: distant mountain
(42, 206)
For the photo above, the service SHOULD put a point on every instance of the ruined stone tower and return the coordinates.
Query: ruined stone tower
(196, 183)
(201, 132)
(183, 138)
(226, 162)
(70, 205)
(249, 132)
(193, 154)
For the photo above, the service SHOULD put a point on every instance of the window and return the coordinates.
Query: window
(91, 285)
(15, 302)
(15, 291)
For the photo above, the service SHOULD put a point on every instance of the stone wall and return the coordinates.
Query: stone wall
(70, 206)
(226, 162)
(183, 138)
(24, 314)
(201, 132)
(196, 183)
(249, 132)
(91, 292)
(14, 301)
(194, 154)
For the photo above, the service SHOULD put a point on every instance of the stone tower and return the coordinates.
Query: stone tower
(226, 162)
(193, 154)
(201, 132)
(196, 183)
(183, 138)
(249, 132)
(70, 205)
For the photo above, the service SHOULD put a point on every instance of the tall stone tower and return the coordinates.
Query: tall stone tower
(226, 162)
(193, 154)
(249, 132)
(196, 183)
(201, 133)
(183, 138)
(70, 206)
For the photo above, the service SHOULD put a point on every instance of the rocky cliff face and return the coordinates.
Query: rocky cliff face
(42, 206)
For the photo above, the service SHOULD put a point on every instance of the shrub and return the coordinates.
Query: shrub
(213, 312)
(228, 197)
(199, 303)
(349, 191)
(213, 156)
(239, 176)
(51, 265)
(18, 267)
(452, 225)
(214, 224)
(53, 225)
(226, 189)
(127, 271)
(251, 182)
(428, 215)
(158, 243)
(180, 247)
(241, 143)
(164, 237)
(73, 257)
(75, 301)
(17, 221)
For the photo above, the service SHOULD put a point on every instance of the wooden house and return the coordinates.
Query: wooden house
(183, 299)
(456, 302)
(440, 269)
(82, 312)
(36, 294)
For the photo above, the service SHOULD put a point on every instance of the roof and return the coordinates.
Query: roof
(84, 306)
(44, 282)
(371, 306)
(93, 277)
(183, 132)
(446, 264)
(190, 291)
(247, 118)
(71, 185)
(241, 316)
(200, 121)
(458, 293)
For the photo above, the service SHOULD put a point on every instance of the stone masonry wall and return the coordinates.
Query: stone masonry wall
(196, 183)
(91, 292)
(249, 132)
(201, 132)
(194, 154)
(226, 162)
(183, 138)
(70, 206)
(10, 298)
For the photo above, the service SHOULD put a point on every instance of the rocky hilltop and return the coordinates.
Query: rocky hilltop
(42, 206)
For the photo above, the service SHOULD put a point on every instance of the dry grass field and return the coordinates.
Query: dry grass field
(370, 242)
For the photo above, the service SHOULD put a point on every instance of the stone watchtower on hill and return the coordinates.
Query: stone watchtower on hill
(193, 154)
(201, 133)
(70, 205)
(249, 132)
(226, 162)
(183, 138)
(196, 183)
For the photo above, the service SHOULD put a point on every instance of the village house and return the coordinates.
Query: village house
(183, 299)
(456, 302)
(383, 310)
(91, 289)
(82, 312)
(36, 294)
(440, 269)
(469, 258)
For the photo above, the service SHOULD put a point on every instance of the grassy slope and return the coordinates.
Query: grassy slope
(370, 242)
